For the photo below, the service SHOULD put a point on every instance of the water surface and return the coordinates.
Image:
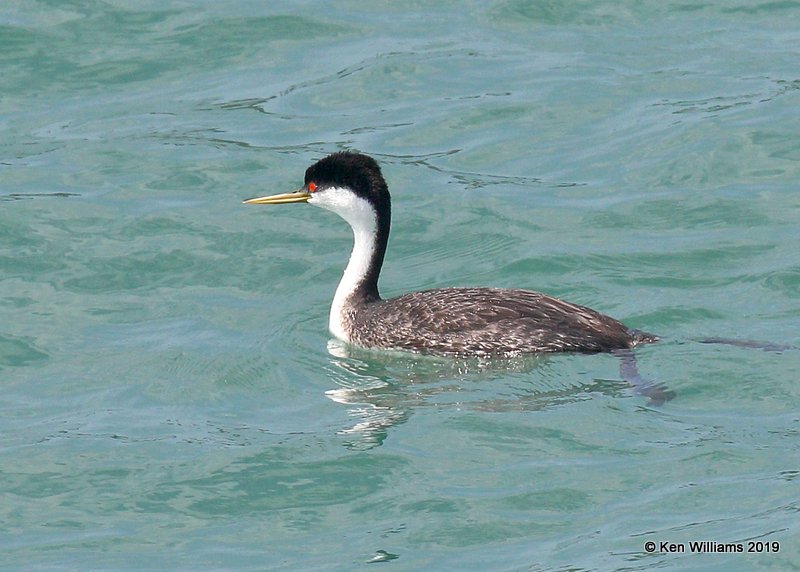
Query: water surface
(170, 395)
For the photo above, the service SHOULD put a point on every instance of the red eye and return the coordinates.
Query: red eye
(312, 187)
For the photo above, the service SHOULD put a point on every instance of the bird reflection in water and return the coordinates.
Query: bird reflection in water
(382, 389)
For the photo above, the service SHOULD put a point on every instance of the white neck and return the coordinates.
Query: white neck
(361, 217)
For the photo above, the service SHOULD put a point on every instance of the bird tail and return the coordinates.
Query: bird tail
(640, 337)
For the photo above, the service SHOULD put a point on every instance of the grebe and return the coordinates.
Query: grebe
(464, 322)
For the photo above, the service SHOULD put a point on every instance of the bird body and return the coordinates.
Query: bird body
(485, 322)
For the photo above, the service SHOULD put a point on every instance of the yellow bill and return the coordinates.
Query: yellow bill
(299, 196)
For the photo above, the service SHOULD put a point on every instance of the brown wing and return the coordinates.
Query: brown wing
(489, 321)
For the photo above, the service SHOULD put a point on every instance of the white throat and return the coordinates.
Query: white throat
(361, 217)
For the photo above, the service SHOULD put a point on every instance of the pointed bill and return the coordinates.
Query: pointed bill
(299, 196)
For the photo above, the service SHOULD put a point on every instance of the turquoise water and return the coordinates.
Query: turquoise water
(170, 396)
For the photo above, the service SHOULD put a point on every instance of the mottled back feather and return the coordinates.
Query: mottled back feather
(487, 321)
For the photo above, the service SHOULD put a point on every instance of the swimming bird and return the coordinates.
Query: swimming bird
(463, 322)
